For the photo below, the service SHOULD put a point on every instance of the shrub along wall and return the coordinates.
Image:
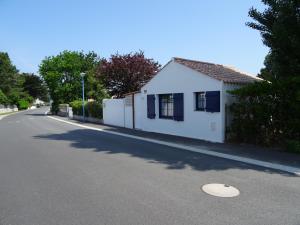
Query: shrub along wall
(92, 109)
(23, 104)
(268, 114)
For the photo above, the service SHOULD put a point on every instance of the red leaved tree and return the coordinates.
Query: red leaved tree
(122, 74)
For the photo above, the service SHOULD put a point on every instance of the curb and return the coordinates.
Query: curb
(5, 115)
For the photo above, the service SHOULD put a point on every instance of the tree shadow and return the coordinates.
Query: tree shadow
(171, 158)
(34, 114)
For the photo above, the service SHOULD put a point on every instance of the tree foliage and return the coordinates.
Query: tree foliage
(62, 76)
(3, 98)
(126, 73)
(279, 25)
(8, 74)
(12, 83)
(92, 109)
(268, 112)
(35, 86)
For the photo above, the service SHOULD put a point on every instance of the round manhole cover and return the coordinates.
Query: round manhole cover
(221, 190)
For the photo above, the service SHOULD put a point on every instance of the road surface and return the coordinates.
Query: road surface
(56, 173)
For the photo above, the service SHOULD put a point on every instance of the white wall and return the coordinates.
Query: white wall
(113, 112)
(138, 111)
(176, 78)
(128, 111)
(7, 109)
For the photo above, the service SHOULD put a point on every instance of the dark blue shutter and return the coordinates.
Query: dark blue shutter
(151, 106)
(178, 107)
(212, 101)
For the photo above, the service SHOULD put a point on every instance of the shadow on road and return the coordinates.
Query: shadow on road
(172, 158)
(34, 114)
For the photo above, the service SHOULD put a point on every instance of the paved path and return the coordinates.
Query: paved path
(56, 173)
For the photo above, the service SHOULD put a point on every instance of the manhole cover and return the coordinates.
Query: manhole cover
(221, 190)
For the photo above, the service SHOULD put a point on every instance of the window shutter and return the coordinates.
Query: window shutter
(151, 106)
(178, 107)
(212, 101)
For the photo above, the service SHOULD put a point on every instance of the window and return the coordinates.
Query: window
(166, 104)
(200, 101)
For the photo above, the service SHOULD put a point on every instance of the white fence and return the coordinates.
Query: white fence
(8, 109)
(114, 112)
(119, 112)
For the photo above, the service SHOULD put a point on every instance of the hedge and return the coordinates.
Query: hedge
(23, 104)
(268, 114)
(92, 109)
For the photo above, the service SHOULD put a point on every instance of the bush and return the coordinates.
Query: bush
(77, 107)
(23, 104)
(293, 146)
(95, 109)
(15, 96)
(267, 113)
(92, 109)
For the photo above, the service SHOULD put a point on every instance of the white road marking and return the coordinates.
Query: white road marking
(275, 166)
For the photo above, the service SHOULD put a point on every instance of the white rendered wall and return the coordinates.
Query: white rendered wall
(7, 109)
(128, 111)
(176, 78)
(138, 112)
(113, 112)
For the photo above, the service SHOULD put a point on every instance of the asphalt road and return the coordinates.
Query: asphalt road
(57, 173)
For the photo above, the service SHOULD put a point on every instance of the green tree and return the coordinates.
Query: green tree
(3, 98)
(279, 25)
(35, 86)
(11, 82)
(62, 76)
(8, 74)
(268, 112)
(14, 86)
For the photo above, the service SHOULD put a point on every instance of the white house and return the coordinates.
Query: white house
(185, 98)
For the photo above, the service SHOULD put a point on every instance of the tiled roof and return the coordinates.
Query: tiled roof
(219, 72)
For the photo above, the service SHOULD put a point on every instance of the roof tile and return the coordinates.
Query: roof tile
(217, 71)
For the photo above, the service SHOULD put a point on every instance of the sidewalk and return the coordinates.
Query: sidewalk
(241, 150)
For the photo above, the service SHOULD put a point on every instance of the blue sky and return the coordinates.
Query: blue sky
(212, 31)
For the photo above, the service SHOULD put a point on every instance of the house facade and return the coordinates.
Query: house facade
(185, 98)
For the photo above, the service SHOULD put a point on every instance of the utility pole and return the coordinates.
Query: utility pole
(82, 81)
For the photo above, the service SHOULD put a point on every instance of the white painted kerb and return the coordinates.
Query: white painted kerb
(275, 166)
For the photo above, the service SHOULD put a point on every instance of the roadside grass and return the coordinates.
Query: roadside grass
(2, 114)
